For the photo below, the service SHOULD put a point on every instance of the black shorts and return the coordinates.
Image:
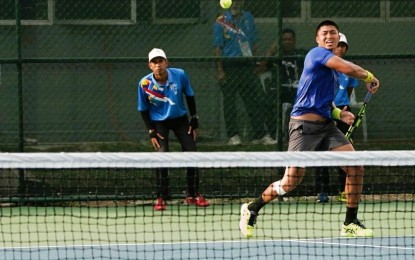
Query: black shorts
(314, 136)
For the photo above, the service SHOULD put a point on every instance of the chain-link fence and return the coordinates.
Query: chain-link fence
(70, 68)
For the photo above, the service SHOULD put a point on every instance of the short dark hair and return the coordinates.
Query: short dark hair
(325, 23)
(288, 30)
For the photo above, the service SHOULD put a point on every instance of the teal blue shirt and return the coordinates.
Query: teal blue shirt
(342, 96)
(164, 101)
(228, 32)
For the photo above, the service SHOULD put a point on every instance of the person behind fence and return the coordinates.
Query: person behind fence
(161, 103)
(235, 35)
(341, 100)
(312, 128)
(291, 72)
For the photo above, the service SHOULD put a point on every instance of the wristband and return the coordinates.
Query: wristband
(335, 113)
(369, 76)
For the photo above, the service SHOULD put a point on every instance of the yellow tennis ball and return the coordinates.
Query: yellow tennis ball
(225, 3)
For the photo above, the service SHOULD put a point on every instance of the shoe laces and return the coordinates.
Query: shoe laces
(360, 224)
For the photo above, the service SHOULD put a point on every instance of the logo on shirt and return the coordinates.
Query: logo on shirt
(173, 88)
(153, 93)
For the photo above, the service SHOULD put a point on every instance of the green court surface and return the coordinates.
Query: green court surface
(140, 224)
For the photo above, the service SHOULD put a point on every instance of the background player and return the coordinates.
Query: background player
(160, 101)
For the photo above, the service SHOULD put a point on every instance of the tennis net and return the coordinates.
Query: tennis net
(100, 206)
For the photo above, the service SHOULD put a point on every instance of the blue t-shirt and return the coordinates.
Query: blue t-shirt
(342, 97)
(228, 33)
(164, 101)
(317, 85)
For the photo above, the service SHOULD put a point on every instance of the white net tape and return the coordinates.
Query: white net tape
(205, 159)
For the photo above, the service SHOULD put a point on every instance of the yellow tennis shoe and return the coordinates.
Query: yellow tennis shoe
(356, 229)
(342, 197)
(248, 219)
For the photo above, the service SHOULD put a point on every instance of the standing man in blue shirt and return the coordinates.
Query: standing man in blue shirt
(342, 100)
(312, 128)
(235, 35)
(161, 103)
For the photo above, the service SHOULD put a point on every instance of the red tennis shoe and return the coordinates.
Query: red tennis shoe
(160, 204)
(198, 201)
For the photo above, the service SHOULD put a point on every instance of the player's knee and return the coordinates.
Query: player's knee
(278, 188)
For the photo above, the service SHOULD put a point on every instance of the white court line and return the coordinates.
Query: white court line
(349, 244)
(305, 241)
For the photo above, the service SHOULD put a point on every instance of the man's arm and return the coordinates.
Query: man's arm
(265, 65)
(347, 67)
(220, 74)
(218, 53)
(272, 50)
(194, 118)
(151, 131)
(147, 121)
(191, 104)
(355, 71)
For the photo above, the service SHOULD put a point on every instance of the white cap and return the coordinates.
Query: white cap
(156, 53)
(343, 39)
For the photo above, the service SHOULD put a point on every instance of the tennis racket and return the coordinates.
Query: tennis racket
(360, 115)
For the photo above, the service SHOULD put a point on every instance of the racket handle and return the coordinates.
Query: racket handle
(367, 97)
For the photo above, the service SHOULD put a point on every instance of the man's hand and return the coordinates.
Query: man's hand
(193, 126)
(373, 86)
(372, 83)
(347, 116)
(153, 138)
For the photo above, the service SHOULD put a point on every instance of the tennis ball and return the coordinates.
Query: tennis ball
(225, 3)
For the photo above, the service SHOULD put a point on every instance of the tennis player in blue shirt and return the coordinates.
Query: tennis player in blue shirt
(161, 97)
(312, 127)
(341, 100)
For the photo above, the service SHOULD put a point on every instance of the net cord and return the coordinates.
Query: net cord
(204, 159)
